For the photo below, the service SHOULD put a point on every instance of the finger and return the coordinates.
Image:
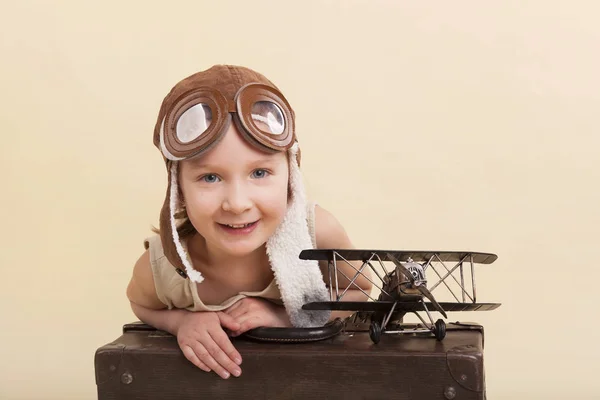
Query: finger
(188, 352)
(225, 344)
(249, 323)
(226, 364)
(246, 323)
(246, 316)
(237, 313)
(228, 321)
(235, 306)
(204, 352)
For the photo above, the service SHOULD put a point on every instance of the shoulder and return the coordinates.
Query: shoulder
(330, 234)
(141, 289)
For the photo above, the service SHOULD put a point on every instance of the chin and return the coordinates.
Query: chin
(240, 250)
(243, 247)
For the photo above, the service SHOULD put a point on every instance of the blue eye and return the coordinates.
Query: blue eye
(260, 173)
(209, 178)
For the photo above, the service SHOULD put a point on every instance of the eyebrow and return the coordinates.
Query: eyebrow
(261, 160)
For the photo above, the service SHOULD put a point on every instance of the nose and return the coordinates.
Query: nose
(237, 199)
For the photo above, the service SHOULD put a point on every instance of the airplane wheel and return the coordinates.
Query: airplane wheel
(440, 330)
(375, 332)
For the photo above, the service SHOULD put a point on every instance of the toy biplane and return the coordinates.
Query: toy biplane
(404, 287)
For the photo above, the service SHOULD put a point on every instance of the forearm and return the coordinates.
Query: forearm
(166, 320)
(351, 295)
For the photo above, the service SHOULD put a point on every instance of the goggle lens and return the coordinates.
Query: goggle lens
(268, 117)
(193, 123)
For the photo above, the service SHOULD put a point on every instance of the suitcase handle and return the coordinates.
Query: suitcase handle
(296, 335)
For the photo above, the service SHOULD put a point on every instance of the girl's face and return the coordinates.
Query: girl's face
(235, 195)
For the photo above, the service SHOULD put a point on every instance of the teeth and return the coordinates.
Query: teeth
(239, 226)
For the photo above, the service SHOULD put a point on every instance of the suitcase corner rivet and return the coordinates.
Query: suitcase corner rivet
(450, 392)
(126, 378)
(463, 377)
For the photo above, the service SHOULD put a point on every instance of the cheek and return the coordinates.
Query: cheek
(200, 204)
(274, 201)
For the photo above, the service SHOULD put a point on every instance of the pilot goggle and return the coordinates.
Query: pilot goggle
(199, 118)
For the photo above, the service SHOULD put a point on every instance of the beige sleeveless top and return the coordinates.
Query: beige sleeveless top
(177, 292)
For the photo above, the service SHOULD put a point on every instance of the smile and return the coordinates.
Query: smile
(239, 229)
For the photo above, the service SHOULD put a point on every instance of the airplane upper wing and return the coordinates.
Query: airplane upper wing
(384, 306)
(417, 256)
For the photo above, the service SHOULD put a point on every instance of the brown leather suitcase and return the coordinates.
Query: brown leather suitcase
(147, 364)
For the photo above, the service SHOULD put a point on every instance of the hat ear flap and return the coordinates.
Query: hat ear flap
(299, 156)
(300, 281)
(166, 235)
(169, 235)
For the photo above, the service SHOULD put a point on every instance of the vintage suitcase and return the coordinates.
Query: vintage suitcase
(147, 364)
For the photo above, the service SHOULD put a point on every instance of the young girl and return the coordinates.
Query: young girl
(234, 221)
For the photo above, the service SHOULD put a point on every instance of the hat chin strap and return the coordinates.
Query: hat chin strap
(299, 281)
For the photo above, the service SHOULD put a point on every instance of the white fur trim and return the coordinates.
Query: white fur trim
(193, 274)
(299, 281)
(163, 148)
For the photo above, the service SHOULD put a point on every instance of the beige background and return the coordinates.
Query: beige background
(449, 125)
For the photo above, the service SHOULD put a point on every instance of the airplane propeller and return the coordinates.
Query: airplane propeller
(418, 285)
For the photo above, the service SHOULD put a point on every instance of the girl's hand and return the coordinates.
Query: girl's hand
(204, 342)
(254, 312)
